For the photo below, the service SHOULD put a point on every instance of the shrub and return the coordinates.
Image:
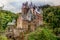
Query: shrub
(57, 31)
(2, 37)
(58, 38)
(43, 34)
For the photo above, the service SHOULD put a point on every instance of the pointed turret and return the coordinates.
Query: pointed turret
(25, 7)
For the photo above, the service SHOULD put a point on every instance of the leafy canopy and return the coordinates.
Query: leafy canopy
(5, 17)
(44, 34)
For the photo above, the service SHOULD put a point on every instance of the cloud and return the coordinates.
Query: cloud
(3, 2)
(9, 7)
(53, 2)
(15, 5)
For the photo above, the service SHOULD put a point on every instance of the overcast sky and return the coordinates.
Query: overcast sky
(15, 5)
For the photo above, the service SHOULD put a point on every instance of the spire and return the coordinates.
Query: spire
(31, 5)
(25, 5)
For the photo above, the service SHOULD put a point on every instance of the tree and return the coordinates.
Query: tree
(5, 17)
(44, 34)
(51, 16)
(3, 37)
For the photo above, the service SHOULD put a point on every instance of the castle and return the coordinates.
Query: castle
(30, 18)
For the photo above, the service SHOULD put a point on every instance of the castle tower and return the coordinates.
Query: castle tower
(30, 18)
(25, 8)
(21, 21)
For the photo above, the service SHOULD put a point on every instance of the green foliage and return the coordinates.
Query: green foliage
(5, 17)
(52, 16)
(58, 38)
(57, 31)
(3, 37)
(43, 34)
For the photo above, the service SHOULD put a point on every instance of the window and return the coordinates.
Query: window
(35, 26)
(28, 27)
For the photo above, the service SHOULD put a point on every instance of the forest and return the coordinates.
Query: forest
(50, 30)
